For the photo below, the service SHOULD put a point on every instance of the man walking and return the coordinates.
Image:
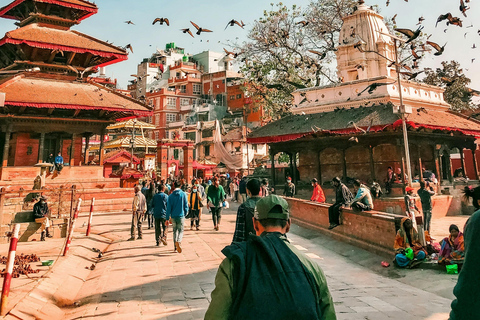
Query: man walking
(426, 193)
(159, 204)
(289, 190)
(40, 213)
(242, 188)
(342, 197)
(194, 202)
(268, 278)
(215, 197)
(363, 200)
(139, 207)
(177, 209)
(244, 223)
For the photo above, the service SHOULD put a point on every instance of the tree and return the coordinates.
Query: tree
(290, 49)
(450, 76)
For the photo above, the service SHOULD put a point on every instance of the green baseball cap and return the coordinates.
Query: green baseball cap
(272, 207)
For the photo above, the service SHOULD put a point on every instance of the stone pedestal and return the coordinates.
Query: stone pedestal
(162, 160)
(188, 163)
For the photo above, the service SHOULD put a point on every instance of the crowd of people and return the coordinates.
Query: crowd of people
(260, 246)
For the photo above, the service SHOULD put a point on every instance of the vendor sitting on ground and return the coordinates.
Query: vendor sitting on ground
(40, 213)
(363, 200)
(453, 249)
(406, 239)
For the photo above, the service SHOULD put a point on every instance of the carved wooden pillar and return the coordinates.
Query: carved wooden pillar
(41, 147)
(272, 167)
(372, 164)
(72, 150)
(6, 147)
(344, 165)
(100, 156)
(462, 159)
(86, 153)
(295, 177)
(474, 161)
(319, 168)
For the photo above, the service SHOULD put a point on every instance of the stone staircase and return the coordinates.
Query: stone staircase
(109, 198)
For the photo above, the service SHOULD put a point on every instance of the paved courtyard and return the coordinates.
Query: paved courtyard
(137, 280)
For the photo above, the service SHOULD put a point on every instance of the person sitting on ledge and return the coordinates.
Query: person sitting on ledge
(409, 251)
(318, 195)
(363, 200)
(453, 249)
(342, 197)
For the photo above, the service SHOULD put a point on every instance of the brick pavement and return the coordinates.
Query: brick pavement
(141, 281)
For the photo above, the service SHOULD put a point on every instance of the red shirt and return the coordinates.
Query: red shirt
(318, 195)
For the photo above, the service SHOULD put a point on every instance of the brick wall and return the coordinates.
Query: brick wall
(372, 230)
(24, 149)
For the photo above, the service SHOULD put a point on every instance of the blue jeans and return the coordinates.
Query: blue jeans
(177, 225)
(403, 261)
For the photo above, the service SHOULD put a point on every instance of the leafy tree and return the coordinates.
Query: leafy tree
(290, 49)
(451, 77)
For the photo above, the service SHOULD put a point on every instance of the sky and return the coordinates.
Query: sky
(108, 25)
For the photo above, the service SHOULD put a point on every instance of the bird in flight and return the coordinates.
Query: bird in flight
(161, 20)
(129, 22)
(232, 53)
(187, 30)
(374, 87)
(412, 35)
(411, 75)
(463, 8)
(199, 30)
(128, 46)
(304, 23)
(321, 54)
(437, 47)
(80, 72)
(233, 22)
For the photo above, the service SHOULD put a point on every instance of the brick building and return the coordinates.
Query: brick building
(50, 104)
(341, 132)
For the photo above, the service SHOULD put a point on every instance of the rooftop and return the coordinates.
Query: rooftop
(58, 38)
(373, 119)
(39, 91)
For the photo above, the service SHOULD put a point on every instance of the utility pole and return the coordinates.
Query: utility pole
(403, 114)
(132, 142)
(245, 117)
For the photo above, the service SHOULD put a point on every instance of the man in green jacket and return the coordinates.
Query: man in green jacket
(266, 277)
(215, 197)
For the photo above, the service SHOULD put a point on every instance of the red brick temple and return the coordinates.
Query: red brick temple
(50, 106)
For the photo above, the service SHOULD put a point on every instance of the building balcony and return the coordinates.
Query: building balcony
(186, 108)
(176, 124)
(183, 80)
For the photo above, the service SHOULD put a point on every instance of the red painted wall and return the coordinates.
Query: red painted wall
(24, 150)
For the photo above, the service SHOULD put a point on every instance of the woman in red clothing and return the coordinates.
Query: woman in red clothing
(318, 195)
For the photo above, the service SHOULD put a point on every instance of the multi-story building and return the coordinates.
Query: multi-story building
(191, 93)
(153, 73)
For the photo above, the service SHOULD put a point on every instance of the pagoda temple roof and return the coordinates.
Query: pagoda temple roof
(64, 92)
(124, 142)
(374, 118)
(130, 123)
(88, 7)
(58, 38)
